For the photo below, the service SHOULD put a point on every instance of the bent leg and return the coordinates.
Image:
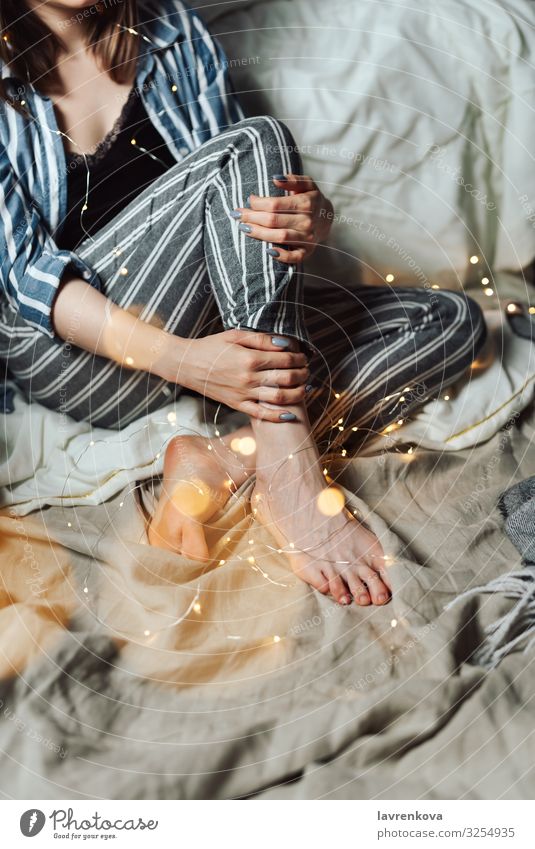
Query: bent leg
(174, 257)
(382, 352)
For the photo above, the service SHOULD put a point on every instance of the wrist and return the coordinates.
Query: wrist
(172, 360)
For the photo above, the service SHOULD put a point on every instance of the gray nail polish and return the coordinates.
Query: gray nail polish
(272, 252)
(282, 178)
(309, 387)
(245, 228)
(235, 214)
(280, 342)
(287, 417)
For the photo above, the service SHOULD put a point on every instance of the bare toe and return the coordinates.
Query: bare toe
(358, 590)
(339, 590)
(378, 590)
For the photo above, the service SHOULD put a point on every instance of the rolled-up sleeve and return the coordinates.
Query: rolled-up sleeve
(31, 265)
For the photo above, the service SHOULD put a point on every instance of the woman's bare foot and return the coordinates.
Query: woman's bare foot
(335, 554)
(199, 476)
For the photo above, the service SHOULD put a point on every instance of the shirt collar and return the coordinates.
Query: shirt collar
(160, 30)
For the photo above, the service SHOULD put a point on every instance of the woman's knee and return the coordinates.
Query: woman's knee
(276, 140)
(464, 316)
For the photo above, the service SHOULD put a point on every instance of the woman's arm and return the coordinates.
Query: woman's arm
(240, 368)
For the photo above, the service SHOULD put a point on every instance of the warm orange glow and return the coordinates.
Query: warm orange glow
(330, 501)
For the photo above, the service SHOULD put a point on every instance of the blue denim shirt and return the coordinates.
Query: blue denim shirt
(183, 80)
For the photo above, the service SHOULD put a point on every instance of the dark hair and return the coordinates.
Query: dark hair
(31, 50)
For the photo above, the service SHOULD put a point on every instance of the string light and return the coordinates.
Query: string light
(389, 278)
(474, 259)
(489, 292)
(485, 281)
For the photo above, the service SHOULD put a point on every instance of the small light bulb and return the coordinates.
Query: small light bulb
(276, 638)
(489, 292)
(336, 394)
(394, 622)
(435, 286)
(484, 280)
(129, 361)
(86, 590)
(531, 310)
(124, 271)
(174, 88)
(474, 259)
(146, 633)
(222, 562)
(133, 141)
(389, 278)
(446, 397)
(197, 607)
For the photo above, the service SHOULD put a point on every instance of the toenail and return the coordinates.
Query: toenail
(363, 599)
(382, 597)
(346, 599)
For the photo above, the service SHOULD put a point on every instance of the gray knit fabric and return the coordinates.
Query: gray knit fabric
(517, 505)
(516, 628)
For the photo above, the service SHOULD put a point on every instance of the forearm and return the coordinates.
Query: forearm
(87, 318)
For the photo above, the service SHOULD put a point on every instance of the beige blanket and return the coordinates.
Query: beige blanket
(128, 672)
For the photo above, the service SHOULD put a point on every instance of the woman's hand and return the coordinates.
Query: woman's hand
(294, 224)
(243, 370)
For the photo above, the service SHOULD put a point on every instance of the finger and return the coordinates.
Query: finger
(287, 378)
(280, 397)
(281, 235)
(278, 221)
(256, 410)
(272, 342)
(294, 182)
(304, 202)
(292, 256)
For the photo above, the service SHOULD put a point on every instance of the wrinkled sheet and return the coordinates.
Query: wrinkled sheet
(47, 458)
(113, 697)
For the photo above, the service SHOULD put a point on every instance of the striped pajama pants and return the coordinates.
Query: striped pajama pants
(176, 258)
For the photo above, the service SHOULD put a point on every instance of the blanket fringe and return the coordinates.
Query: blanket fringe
(503, 635)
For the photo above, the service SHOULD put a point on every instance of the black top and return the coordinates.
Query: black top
(118, 172)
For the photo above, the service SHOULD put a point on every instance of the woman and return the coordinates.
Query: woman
(150, 243)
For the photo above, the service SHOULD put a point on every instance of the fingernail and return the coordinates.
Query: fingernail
(245, 228)
(287, 417)
(282, 178)
(235, 214)
(280, 342)
(309, 387)
(272, 252)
